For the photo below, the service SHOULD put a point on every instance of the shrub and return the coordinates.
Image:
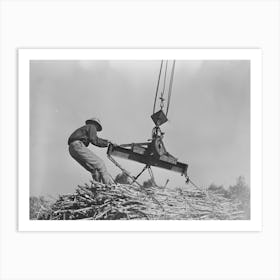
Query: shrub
(241, 192)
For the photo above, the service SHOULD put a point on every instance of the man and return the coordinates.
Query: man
(78, 143)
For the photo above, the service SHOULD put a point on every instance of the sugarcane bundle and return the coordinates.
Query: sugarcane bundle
(97, 201)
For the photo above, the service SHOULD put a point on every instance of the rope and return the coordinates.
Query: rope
(157, 86)
(170, 86)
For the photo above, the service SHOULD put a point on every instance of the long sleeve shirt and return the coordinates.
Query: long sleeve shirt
(87, 134)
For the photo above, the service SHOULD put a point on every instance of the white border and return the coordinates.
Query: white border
(24, 57)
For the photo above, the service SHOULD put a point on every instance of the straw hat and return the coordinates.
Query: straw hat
(95, 121)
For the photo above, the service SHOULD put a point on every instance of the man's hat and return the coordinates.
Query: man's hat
(95, 121)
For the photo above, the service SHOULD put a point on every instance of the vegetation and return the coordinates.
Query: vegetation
(125, 200)
(39, 208)
(238, 192)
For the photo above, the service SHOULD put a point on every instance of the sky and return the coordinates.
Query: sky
(208, 127)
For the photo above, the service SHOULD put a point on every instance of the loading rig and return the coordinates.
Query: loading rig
(153, 152)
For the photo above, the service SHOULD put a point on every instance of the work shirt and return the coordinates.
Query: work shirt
(87, 134)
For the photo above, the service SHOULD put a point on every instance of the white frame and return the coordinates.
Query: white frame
(254, 55)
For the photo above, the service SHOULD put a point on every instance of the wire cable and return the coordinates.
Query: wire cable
(163, 89)
(159, 76)
(170, 86)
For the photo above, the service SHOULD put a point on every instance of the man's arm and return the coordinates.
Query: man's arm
(94, 139)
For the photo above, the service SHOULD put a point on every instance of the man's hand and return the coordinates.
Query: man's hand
(112, 143)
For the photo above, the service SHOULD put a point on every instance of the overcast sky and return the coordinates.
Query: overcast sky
(208, 128)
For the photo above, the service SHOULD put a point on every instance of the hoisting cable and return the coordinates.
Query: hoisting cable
(170, 86)
(163, 89)
(159, 76)
(162, 83)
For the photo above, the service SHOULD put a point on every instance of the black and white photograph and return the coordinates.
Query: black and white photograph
(138, 139)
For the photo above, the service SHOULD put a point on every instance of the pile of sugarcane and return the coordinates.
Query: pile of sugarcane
(97, 201)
